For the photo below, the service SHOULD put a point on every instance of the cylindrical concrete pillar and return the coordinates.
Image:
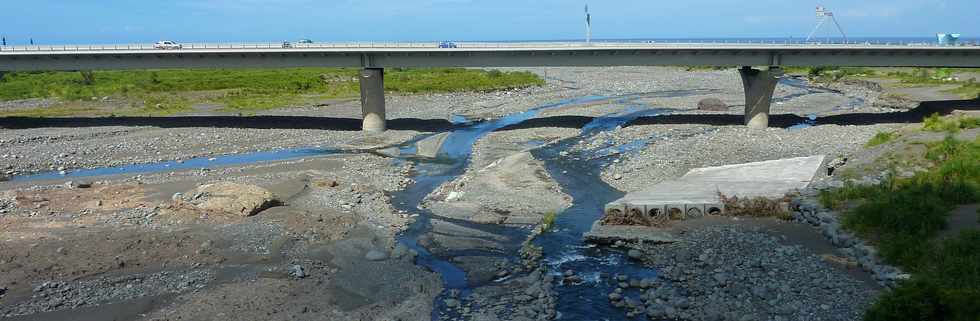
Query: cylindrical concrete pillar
(373, 99)
(759, 86)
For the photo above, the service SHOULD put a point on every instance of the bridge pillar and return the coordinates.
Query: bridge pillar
(759, 86)
(373, 99)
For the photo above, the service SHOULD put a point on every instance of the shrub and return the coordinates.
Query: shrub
(880, 138)
(913, 300)
(947, 285)
(548, 221)
(935, 123)
(904, 218)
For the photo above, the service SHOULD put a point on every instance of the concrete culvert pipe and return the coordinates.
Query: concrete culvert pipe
(614, 212)
(636, 213)
(657, 216)
(714, 211)
(654, 213)
(693, 212)
(675, 213)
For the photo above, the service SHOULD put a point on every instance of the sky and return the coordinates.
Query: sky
(132, 21)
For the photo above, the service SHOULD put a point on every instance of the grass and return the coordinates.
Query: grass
(549, 220)
(239, 89)
(880, 138)
(904, 217)
(831, 73)
(936, 123)
(53, 111)
(969, 90)
(708, 68)
(948, 289)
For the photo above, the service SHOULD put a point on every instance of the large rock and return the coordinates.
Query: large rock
(228, 197)
(712, 104)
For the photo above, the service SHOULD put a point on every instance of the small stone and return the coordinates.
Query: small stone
(375, 255)
(296, 271)
(634, 254)
(712, 104)
(721, 278)
(617, 176)
(451, 303)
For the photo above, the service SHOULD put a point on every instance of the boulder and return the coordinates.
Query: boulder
(712, 104)
(228, 197)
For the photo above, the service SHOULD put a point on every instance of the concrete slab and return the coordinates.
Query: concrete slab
(696, 193)
(609, 234)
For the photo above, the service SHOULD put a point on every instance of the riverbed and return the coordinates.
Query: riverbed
(458, 223)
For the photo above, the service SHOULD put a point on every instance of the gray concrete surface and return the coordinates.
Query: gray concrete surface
(500, 55)
(697, 192)
(759, 86)
(373, 99)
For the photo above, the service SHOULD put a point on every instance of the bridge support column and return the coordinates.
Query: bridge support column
(373, 99)
(759, 86)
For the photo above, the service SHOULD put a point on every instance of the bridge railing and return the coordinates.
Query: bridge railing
(383, 45)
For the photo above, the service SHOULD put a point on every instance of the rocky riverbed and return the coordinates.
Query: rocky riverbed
(434, 219)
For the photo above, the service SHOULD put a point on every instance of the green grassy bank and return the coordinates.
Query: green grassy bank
(906, 219)
(175, 90)
(965, 87)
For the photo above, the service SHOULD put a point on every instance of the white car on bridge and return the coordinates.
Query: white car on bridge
(167, 45)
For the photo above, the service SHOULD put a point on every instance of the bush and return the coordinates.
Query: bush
(837, 199)
(548, 221)
(881, 138)
(936, 123)
(947, 285)
(913, 300)
(904, 217)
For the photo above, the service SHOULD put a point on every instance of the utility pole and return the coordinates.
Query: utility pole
(588, 25)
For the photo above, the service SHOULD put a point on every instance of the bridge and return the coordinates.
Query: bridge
(759, 83)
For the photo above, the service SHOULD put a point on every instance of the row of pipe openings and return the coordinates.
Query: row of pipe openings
(660, 214)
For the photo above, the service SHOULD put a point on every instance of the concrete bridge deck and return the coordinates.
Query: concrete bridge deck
(373, 58)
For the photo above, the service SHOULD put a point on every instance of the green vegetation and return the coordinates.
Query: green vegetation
(708, 68)
(904, 217)
(831, 73)
(881, 138)
(946, 289)
(936, 123)
(968, 88)
(169, 91)
(549, 220)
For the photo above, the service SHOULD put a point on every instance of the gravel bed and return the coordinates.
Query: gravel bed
(669, 151)
(733, 273)
(58, 295)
